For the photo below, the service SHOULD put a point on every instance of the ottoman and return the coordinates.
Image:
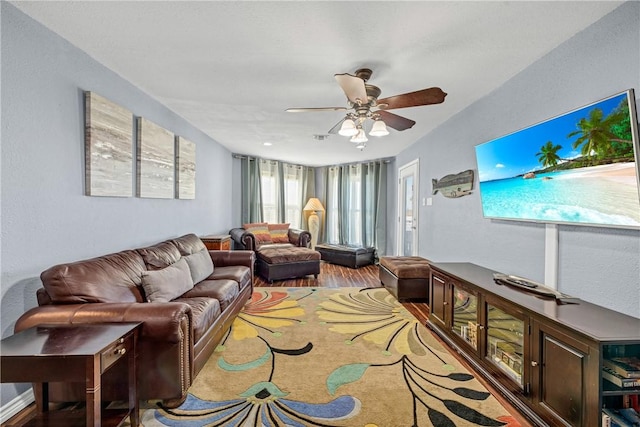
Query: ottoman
(286, 262)
(406, 277)
(347, 255)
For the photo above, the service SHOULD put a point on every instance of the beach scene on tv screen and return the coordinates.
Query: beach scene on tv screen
(575, 168)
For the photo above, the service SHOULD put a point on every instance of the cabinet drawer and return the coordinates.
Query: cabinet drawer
(115, 351)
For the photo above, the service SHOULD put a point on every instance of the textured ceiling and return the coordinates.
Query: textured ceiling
(232, 68)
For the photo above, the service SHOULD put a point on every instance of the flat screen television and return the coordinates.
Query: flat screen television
(577, 168)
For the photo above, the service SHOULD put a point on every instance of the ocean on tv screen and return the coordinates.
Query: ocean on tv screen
(605, 195)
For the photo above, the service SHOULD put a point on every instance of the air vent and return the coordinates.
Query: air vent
(320, 137)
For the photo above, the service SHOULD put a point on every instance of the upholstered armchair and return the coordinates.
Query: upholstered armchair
(255, 236)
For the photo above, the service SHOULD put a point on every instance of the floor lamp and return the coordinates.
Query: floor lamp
(314, 206)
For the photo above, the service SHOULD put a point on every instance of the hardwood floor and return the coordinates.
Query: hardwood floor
(334, 276)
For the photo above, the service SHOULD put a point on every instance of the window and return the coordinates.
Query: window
(356, 204)
(282, 185)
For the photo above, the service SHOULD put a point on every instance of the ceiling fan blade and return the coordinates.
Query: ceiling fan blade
(334, 130)
(395, 121)
(353, 87)
(312, 110)
(433, 95)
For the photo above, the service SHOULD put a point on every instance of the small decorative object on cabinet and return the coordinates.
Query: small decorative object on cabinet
(561, 364)
(217, 242)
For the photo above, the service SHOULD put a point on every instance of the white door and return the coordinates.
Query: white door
(408, 209)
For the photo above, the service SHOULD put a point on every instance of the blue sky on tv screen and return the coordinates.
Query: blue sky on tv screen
(515, 154)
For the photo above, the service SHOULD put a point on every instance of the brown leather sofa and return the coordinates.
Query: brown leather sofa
(278, 261)
(177, 336)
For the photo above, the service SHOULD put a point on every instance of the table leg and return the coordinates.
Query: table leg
(94, 392)
(134, 416)
(41, 393)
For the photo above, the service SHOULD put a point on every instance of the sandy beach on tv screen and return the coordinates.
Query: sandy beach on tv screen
(624, 173)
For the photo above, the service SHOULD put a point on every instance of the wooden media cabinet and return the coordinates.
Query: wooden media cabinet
(545, 357)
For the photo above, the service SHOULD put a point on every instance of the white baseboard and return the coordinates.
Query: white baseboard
(16, 405)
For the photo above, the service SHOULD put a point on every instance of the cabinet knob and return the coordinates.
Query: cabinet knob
(534, 363)
(445, 303)
(481, 327)
(121, 351)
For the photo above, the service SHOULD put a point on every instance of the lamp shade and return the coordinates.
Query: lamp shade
(360, 136)
(348, 128)
(313, 205)
(379, 129)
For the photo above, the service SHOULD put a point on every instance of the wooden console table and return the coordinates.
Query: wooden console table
(217, 242)
(72, 353)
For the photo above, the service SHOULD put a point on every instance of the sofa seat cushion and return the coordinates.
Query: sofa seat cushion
(281, 255)
(225, 291)
(406, 267)
(237, 273)
(275, 246)
(204, 312)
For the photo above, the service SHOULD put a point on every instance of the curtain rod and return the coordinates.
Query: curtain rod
(386, 160)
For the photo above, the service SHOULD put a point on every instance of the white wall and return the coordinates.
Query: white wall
(600, 265)
(45, 217)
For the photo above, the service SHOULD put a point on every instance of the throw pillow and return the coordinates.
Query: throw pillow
(260, 231)
(200, 265)
(167, 284)
(279, 232)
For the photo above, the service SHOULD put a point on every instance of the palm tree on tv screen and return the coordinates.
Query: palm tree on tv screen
(548, 154)
(604, 137)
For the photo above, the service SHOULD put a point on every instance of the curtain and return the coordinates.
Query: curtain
(251, 205)
(275, 192)
(356, 204)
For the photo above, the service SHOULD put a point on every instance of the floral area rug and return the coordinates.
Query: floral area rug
(331, 357)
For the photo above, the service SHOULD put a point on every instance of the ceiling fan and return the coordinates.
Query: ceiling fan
(364, 104)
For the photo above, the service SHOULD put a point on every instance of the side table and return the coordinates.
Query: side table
(72, 353)
(217, 242)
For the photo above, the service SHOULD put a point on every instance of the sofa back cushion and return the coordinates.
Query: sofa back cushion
(279, 232)
(200, 265)
(261, 232)
(188, 244)
(159, 256)
(197, 256)
(168, 283)
(109, 278)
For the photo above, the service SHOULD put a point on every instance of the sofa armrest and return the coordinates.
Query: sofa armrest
(223, 258)
(166, 321)
(299, 237)
(242, 239)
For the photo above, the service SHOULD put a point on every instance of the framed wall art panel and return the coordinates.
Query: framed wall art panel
(186, 169)
(108, 148)
(156, 161)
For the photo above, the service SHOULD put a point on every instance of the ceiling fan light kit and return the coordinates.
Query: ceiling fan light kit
(363, 98)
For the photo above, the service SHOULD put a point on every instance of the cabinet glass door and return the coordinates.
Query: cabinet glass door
(505, 342)
(465, 315)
